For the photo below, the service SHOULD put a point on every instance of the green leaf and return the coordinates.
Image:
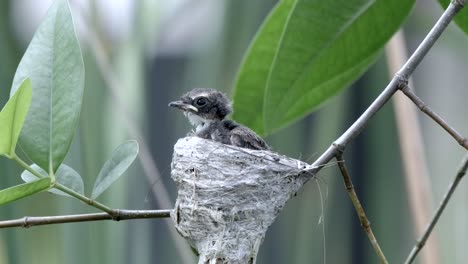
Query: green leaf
(122, 157)
(308, 50)
(65, 175)
(54, 64)
(26, 189)
(462, 17)
(12, 118)
(253, 74)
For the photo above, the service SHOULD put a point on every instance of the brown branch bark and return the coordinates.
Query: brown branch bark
(359, 209)
(30, 221)
(434, 116)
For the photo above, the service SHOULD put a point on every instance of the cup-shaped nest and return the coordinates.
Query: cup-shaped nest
(229, 196)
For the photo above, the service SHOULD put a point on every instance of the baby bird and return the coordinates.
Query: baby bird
(206, 109)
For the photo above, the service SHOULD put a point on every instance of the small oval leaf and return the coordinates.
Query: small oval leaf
(122, 157)
(26, 189)
(65, 175)
(12, 117)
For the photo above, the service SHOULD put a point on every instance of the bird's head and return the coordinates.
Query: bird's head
(203, 105)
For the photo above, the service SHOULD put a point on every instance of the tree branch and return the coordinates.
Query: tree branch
(420, 244)
(400, 79)
(30, 221)
(439, 120)
(359, 210)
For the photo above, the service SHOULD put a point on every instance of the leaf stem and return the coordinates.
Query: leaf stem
(26, 166)
(86, 200)
(67, 190)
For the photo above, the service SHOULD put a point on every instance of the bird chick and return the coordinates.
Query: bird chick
(206, 109)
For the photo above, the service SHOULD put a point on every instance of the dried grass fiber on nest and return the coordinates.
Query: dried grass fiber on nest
(229, 196)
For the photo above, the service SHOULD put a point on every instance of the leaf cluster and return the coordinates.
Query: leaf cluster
(43, 111)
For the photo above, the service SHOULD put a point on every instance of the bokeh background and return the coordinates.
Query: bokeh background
(156, 50)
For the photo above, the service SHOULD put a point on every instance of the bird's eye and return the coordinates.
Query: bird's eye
(201, 101)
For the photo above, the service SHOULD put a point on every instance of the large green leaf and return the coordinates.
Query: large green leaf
(122, 157)
(253, 75)
(54, 64)
(12, 118)
(306, 51)
(462, 17)
(19, 191)
(65, 175)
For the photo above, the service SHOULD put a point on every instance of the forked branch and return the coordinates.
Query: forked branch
(437, 118)
(399, 80)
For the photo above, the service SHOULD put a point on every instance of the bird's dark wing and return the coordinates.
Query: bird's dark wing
(244, 137)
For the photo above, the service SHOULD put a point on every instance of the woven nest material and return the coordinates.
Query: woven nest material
(229, 196)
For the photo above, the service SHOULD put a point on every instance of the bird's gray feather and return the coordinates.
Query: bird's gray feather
(244, 137)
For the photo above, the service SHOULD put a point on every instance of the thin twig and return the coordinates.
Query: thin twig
(30, 221)
(400, 78)
(420, 244)
(359, 210)
(413, 158)
(439, 120)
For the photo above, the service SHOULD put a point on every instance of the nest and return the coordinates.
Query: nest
(229, 196)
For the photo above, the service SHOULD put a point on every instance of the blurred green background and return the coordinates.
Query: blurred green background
(160, 49)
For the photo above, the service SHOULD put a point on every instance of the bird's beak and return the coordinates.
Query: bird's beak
(183, 106)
